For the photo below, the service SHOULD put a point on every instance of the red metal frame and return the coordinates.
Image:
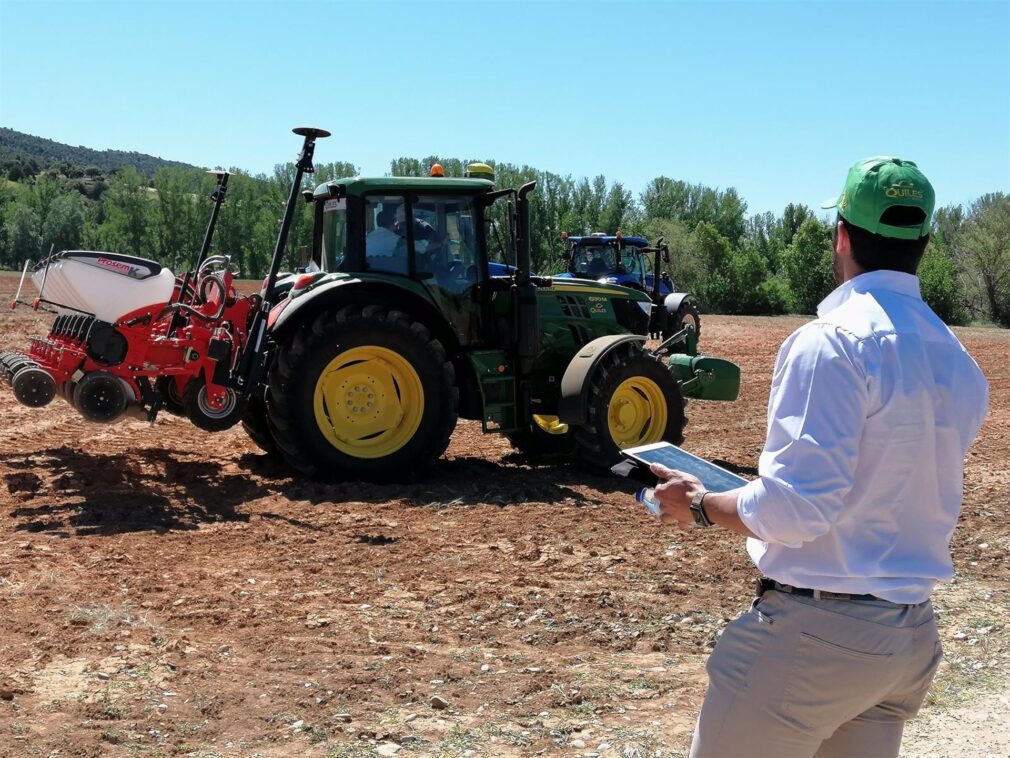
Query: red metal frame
(155, 349)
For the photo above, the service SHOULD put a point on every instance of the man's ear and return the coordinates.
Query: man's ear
(844, 244)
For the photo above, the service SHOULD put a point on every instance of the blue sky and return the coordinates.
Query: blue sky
(775, 99)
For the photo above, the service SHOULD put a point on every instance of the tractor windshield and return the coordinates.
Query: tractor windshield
(334, 233)
(595, 261)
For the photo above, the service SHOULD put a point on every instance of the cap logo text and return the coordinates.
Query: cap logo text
(903, 189)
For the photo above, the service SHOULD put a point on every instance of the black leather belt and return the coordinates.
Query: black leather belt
(765, 584)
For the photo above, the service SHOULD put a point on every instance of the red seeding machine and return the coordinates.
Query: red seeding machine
(130, 336)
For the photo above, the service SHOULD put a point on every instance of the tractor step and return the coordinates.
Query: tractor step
(497, 389)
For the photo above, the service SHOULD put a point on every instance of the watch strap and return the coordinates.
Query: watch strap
(698, 509)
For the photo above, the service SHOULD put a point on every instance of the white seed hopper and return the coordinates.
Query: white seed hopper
(108, 285)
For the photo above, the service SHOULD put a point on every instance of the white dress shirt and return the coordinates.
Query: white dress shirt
(382, 241)
(873, 407)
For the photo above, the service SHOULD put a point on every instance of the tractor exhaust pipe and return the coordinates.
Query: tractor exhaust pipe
(32, 385)
(527, 303)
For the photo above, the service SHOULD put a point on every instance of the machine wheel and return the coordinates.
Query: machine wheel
(170, 397)
(205, 416)
(363, 392)
(537, 441)
(687, 315)
(633, 400)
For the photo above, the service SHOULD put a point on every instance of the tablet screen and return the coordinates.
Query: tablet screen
(714, 478)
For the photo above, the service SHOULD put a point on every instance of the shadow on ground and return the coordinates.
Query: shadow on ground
(64, 491)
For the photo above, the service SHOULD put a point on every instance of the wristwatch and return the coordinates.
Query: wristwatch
(698, 509)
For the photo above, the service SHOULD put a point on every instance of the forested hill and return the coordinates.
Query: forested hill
(45, 152)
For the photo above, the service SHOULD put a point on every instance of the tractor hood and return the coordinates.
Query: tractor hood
(563, 283)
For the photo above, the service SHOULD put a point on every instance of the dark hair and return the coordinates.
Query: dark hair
(386, 216)
(874, 252)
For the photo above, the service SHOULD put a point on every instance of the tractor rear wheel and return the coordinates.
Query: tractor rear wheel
(633, 400)
(687, 315)
(255, 424)
(363, 392)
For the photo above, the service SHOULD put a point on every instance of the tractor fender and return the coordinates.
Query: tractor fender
(292, 310)
(575, 382)
(360, 291)
(674, 300)
(352, 290)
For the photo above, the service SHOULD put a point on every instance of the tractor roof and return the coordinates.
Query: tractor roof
(608, 240)
(360, 185)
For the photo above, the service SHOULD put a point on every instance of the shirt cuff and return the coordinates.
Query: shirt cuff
(755, 506)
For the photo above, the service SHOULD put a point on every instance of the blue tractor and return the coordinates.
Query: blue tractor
(617, 259)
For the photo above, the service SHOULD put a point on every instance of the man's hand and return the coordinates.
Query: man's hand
(674, 493)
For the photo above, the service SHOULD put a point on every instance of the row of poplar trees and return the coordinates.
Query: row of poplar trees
(734, 262)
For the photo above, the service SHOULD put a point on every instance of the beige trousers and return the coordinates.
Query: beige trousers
(797, 677)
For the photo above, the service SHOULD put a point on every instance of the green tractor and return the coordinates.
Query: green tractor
(397, 327)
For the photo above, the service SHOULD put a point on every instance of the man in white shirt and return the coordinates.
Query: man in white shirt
(383, 239)
(873, 407)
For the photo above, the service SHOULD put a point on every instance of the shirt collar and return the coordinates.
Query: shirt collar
(872, 281)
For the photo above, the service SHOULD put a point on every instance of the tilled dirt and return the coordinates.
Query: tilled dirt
(168, 591)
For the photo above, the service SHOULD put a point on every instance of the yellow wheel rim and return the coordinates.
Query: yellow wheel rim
(368, 402)
(637, 413)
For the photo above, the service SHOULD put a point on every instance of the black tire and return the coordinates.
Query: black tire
(594, 443)
(687, 314)
(256, 425)
(537, 442)
(194, 399)
(303, 357)
(170, 399)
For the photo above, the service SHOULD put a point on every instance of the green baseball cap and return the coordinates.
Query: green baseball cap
(876, 185)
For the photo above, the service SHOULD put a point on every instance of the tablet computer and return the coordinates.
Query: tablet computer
(714, 478)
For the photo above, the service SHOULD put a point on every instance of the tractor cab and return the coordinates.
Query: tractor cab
(618, 259)
(422, 236)
(614, 259)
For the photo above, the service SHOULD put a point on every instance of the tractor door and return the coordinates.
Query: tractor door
(448, 259)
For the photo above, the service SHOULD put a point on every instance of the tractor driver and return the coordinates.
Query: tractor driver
(597, 265)
(424, 233)
(383, 239)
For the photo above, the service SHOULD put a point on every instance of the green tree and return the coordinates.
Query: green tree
(695, 203)
(713, 252)
(983, 246)
(64, 225)
(747, 272)
(21, 235)
(127, 214)
(938, 282)
(807, 266)
(181, 208)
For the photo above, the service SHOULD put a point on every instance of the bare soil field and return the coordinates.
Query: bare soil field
(165, 591)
